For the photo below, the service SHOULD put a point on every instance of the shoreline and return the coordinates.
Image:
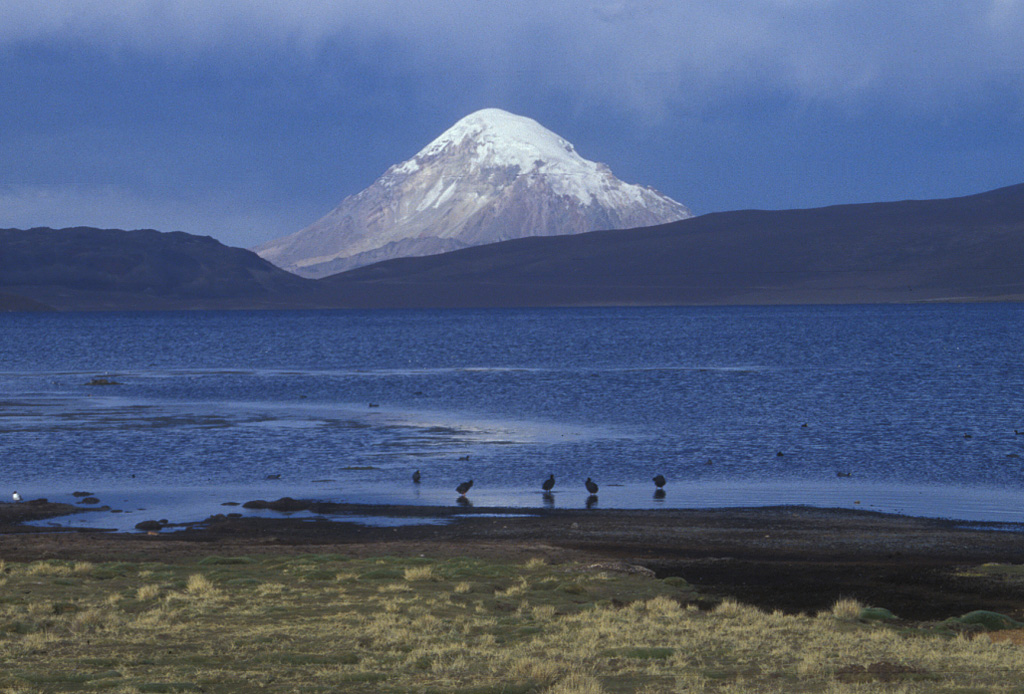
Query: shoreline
(793, 558)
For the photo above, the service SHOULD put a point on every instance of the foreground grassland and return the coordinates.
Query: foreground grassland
(328, 624)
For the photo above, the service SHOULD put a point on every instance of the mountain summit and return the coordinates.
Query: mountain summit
(493, 176)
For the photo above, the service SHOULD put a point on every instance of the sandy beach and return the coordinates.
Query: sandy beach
(795, 559)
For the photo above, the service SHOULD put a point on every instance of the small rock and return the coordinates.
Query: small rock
(283, 504)
(622, 568)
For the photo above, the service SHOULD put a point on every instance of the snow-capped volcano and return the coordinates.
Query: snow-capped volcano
(492, 176)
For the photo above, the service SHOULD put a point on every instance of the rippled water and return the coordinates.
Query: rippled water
(918, 404)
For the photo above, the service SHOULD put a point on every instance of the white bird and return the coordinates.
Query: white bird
(16, 496)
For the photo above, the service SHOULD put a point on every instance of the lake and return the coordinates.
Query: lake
(906, 409)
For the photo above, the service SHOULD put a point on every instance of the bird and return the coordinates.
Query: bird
(416, 477)
(591, 486)
(840, 473)
(659, 481)
(549, 483)
(464, 487)
(16, 496)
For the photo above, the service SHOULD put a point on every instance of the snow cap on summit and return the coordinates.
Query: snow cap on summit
(502, 139)
(514, 140)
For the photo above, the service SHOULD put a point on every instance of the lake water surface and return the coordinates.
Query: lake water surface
(736, 406)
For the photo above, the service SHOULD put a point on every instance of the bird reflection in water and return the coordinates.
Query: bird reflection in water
(592, 501)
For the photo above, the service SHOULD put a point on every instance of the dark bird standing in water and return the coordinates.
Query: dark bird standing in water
(591, 486)
(659, 481)
(416, 477)
(464, 487)
(549, 484)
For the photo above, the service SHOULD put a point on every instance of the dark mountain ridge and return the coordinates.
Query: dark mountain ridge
(83, 268)
(957, 249)
(953, 249)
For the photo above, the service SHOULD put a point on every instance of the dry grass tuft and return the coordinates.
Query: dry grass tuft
(91, 621)
(420, 573)
(730, 608)
(147, 592)
(45, 568)
(544, 612)
(518, 589)
(537, 563)
(663, 606)
(199, 585)
(83, 567)
(576, 684)
(539, 669)
(847, 609)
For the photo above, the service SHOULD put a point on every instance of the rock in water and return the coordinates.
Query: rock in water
(493, 176)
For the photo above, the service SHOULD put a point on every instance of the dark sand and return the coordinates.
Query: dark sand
(793, 558)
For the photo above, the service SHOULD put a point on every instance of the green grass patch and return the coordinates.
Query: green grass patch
(989, 621)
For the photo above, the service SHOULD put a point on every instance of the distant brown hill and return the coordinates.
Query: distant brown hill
(96, 269)
(969, 248)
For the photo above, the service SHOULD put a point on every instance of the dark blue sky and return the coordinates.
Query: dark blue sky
(248, 120)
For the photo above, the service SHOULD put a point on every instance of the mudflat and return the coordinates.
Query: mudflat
(795, 559)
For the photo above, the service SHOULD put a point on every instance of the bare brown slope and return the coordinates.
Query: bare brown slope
(969, 248)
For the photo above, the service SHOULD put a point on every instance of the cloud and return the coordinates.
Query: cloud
(643, 55)
(230, 220)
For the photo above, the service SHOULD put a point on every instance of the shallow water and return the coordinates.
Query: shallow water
(917, 403)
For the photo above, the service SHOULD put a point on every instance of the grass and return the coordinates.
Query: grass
(321, 623)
